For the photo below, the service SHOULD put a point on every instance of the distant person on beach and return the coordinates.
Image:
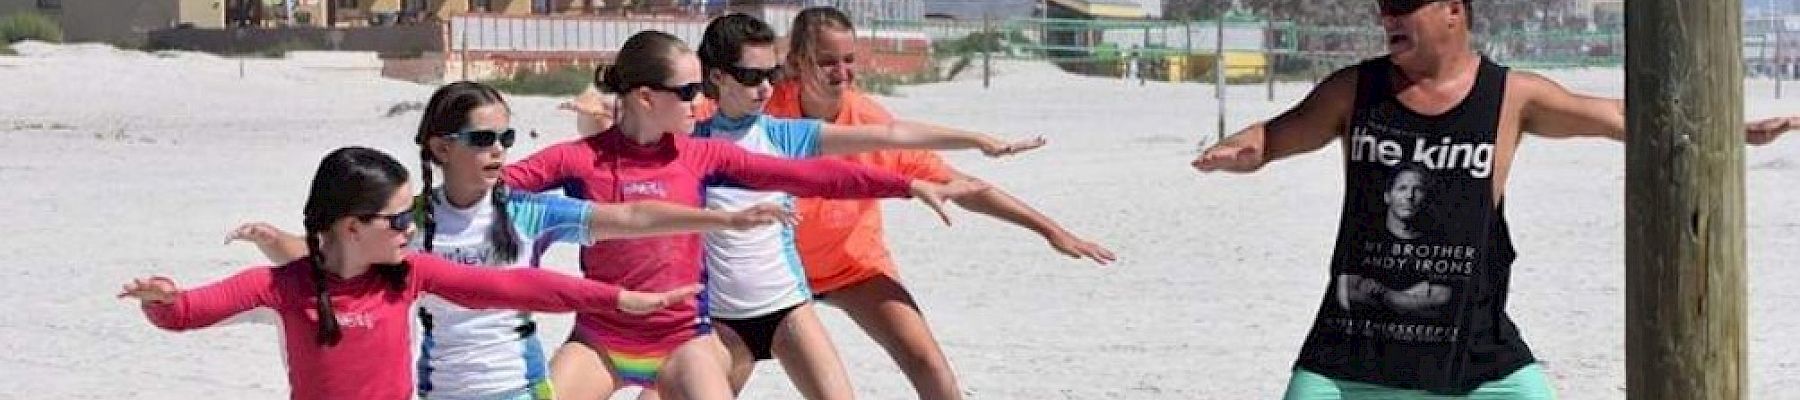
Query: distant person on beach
(346, 307)
(1131, 65)
(1434, 106)
(1134, 65)
(841, 241)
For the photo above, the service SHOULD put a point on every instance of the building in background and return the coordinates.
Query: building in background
(120, 22)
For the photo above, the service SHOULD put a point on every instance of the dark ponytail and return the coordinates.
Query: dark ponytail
(351, 182)
(647, 58)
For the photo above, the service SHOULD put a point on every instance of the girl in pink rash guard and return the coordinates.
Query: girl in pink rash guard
(345, 308)
(648, 155)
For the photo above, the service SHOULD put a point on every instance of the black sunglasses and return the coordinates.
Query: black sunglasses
(754, 76)
(485, 137)
(686, 92)
(1402, 7)
(399, 222)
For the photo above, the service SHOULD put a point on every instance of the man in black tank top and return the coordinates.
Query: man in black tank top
(1416, 305)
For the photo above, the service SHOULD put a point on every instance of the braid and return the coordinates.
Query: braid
(329, 332)
(425, 207)
(501, 232)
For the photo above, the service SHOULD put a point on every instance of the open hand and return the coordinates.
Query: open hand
(639, 303)
(1075, 247)
(763, 214)
(1765, 131)
(995, 148)
(261, 233)
(150, 290)
(1229, 157)
(934, 195)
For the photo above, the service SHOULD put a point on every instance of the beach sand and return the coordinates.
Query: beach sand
(122, 164)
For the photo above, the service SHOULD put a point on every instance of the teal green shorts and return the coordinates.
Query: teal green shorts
(1528, 383)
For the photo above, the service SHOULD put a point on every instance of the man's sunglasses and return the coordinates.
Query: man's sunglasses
(754, 76)
(1402, 7)
(484, 137)
(686, 92)
(399, 222)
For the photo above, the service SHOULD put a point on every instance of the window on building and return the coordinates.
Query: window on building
(49, 4)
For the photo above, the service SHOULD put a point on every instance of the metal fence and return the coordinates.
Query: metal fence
(1282, 49)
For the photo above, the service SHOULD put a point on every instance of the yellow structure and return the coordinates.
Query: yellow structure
(441, 7)
(1246, 65)
(1111, 9)
(199, 13)
(1116, 11)
(1240, 66)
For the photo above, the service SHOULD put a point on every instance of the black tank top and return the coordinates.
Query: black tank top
(1417, 296)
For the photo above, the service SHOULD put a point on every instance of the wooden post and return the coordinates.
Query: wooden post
(1685, 302)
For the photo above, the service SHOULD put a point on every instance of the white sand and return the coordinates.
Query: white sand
(123, 164)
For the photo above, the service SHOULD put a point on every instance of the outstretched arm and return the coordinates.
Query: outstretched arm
(532, 289)
(542, 170)
(1552, 111)
(654, 218)
(816, 177)
(278, 245)
(849, 139)
(593, 111)
(1302, 129)
(170, 308)
(1765, 131)
(999, 204)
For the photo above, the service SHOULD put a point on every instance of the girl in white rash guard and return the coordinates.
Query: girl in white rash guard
(467, 353)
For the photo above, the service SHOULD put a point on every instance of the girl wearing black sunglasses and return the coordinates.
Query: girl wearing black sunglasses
(648, 155)
(495, 354)
(761, 296)
(345, 307)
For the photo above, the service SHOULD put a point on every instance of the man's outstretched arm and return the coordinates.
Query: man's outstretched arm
(1308, 126)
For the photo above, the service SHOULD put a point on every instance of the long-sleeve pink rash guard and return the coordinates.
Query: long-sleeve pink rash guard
(373, 358)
